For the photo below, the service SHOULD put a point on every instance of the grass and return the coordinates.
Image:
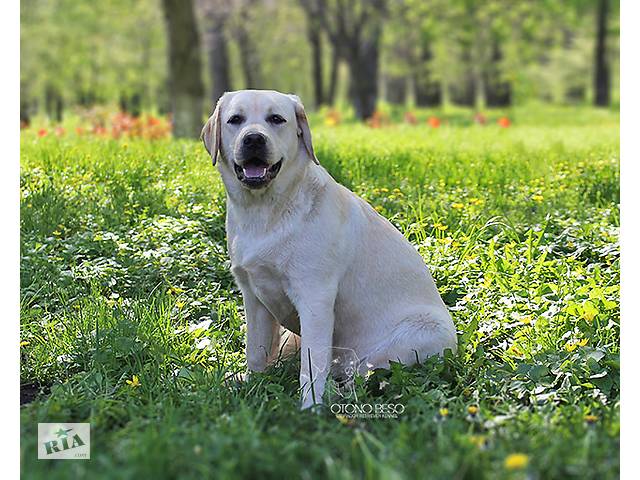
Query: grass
(124, 272)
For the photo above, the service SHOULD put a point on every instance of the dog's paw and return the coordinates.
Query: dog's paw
(237, 378)
(316, 408)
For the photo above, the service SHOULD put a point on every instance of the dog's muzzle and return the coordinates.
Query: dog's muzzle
(254, 171)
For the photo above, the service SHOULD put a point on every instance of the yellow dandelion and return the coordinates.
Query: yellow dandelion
(180, 304)
(440, 226)
(582, 342)
(457, 206)
(443, 412)
(175, 290)
(24, 343)
(525, 320)
(590, 419)
(384, 190)
(473, 409)
(379, 208)
(476, 201)
(537, 198)
(570, 346)
(516, 461)
(515, 350)
(134, 382)
(345, 420)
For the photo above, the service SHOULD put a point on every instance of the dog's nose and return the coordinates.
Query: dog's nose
(254, 140)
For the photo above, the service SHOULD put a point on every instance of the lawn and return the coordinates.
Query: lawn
(124, 273)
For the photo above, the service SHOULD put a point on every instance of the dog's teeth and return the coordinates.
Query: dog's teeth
(254, 172)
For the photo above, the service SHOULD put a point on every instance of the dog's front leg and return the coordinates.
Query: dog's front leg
(316, 332)
(263, 333)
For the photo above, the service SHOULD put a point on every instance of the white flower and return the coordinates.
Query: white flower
(203, 343)
(204, 325)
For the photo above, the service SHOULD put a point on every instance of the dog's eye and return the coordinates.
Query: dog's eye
(235, 120)
(275, 119)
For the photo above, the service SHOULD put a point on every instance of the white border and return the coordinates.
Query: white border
(9, 282)
(10, 241)
(630, 200)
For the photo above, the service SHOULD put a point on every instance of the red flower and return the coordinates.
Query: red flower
(60, 131)
(378, 119)
(434, 122)
(79, 130)
(42, 132)
(504, 122)
(480, 119)
(99, 130)
(410, 118)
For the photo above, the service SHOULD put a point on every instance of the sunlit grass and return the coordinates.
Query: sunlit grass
(130, 319)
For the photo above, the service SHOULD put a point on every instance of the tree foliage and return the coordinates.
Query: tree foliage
(414, 52)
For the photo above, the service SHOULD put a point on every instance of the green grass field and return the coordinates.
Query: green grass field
(124, 273)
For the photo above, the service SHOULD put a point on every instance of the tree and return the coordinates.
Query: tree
(185, 81)
(315, 41)
(354, 29)
(602, 79)
(314, 35)
(409, 36)
(245, 12)
(216, 14)
(333, 77)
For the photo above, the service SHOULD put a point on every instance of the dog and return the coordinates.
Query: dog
(310, 256)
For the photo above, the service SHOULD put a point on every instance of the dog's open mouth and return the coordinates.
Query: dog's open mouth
(256, 173)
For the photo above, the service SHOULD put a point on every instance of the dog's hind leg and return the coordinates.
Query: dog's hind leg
(419, 335)
(288, 346)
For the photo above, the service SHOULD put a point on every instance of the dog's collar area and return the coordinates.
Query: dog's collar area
(256, 173)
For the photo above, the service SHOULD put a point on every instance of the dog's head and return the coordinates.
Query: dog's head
(259, 135)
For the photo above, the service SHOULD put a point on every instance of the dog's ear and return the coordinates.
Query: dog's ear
(210, 135)
(304, 133)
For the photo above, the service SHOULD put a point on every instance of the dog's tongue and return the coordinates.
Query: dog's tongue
(254, 171)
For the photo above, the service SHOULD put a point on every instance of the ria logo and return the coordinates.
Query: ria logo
(64, 441)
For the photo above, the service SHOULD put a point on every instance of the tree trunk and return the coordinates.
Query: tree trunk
(251, 68)
(463, 90)
(427, 92)
(396, 89)
(185, 81)
(54, 104)
(25, 115)
(363, 62)
(315, 41)
(498, 91)
(602, 74)
(333, 77)
(218, 59)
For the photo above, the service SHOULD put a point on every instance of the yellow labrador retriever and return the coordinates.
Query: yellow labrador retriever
(311, 256)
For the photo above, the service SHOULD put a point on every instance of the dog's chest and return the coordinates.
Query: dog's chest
(258, 267)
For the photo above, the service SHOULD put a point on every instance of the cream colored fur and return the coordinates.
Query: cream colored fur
(312, 257)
